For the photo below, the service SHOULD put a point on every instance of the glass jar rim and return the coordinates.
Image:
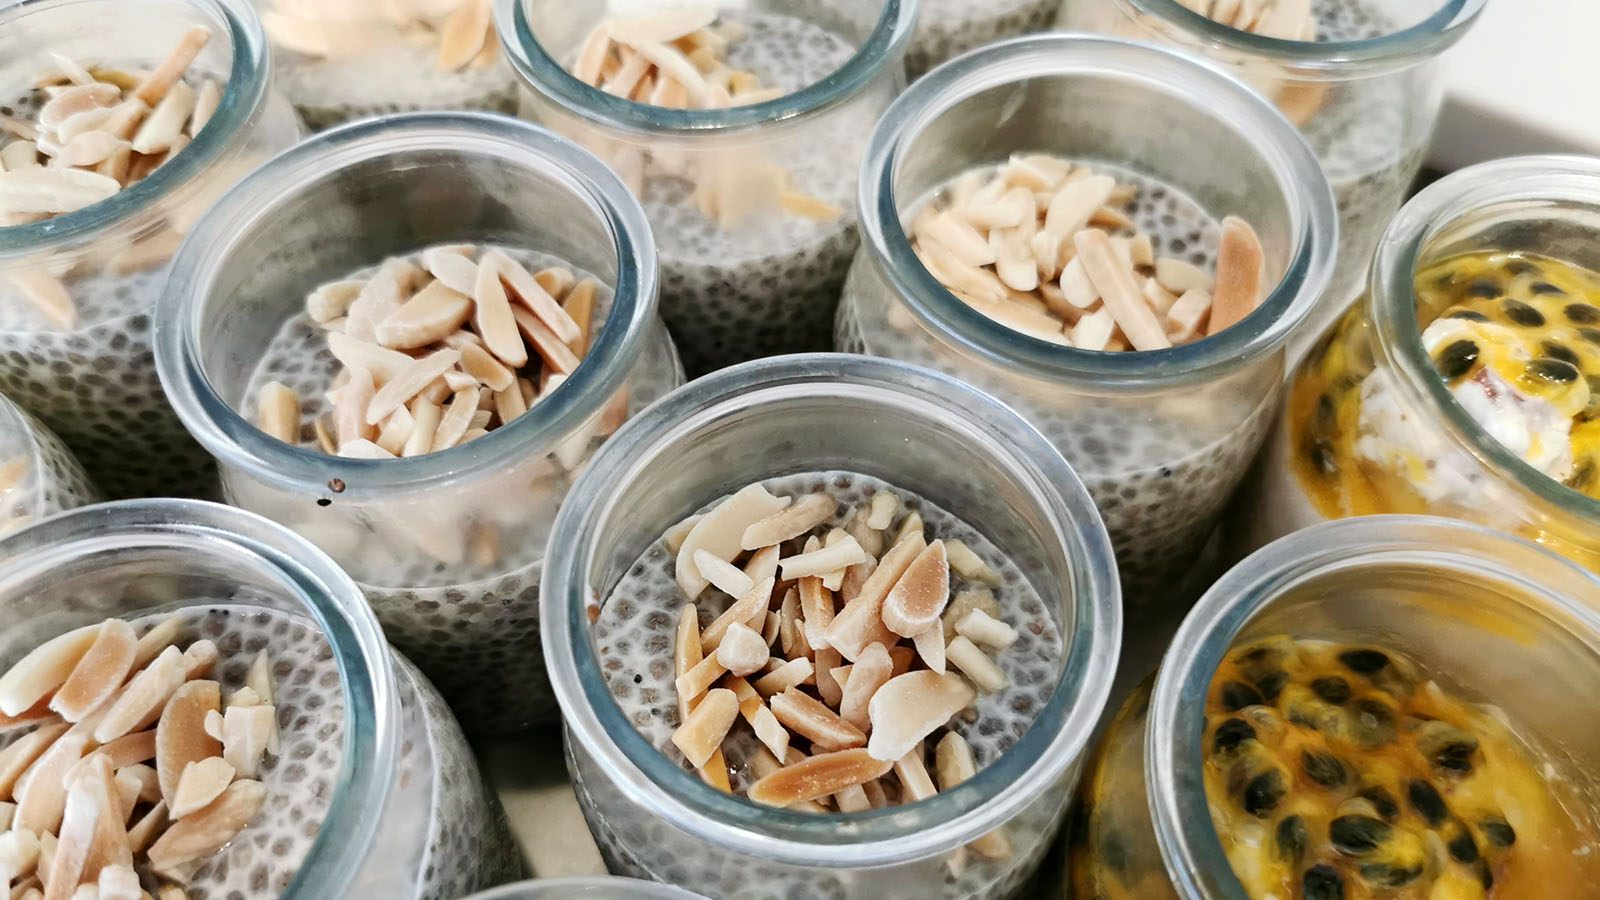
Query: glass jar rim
(1312, 211)
(372, 707)
(951, 818)
(1393, 297)
(239, 444)
(1336, 59)
(1193, 853)
(242, 97)
(543, 73)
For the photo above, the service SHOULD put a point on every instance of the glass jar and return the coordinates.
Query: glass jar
(1160, 437)
(1445, 594)
(39, 476)
(765, 281)
(343, 61)
(403, 810)
(923, 433)
(1332, 453)
(949, 28)
(95, 383)
(587, 889)
(1365, 93)
(448, 545)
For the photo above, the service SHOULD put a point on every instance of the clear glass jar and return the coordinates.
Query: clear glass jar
(587, 889)
(39, 476)
(1162, 437)
(95, 385)
(405, 813)
(343, 61)
(448, 545)
(949, 28)
(924, 433)
(1365, 93)
(1435, 457)
(768, 281)
(1445, 594)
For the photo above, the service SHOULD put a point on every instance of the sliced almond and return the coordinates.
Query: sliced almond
(431, 315)
(278, 412)
(164, 76)
(533, 296)
(817, 776)
(766, 726)
(144, 696)
(708, 723)
(808, 717)
(870, 672)
(201, 783)
(1239, 261)
(719, 533)
(44, 669)
(142, 782)
(750, 604)
(816, 609)
(409, 382)
(109, 845)
(162, 129)
(579, 305)
(200, 834)
(1117, 287)
(1075, 202)
(143, 832)
(70, 101)
(861, 621)
(493, 318)
(464, 34)
(98, 673)
(981, 628)
(1187, 318)
(798, 518)
(22, 753)
(837, 556)
(1180, 277)
(481, 365)
(246, 734)
(976, 665)
(724, 576)
(742, 650)
(556, 354)
(789, 675)
(919, 595)
(382, 362)
(455, 421)
(181, 736)
(969, 565)
(83, 809)
(762, 564)
(913, 775)
(910, 707)
(929, 644)
(19, 854)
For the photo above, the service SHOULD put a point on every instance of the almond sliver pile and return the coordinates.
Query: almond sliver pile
(99, 130)
(843, 651)
(134, 763)
(462, 30)
(1288, 20)
(438, 351)
(677, 59)
(1043, 247)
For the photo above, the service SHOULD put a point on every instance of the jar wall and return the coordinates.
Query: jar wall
(94, 383)
(745, 274)
(39, 476)
(948, 28)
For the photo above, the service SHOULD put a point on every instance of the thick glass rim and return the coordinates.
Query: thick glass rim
(1190, 848)
(1307, 194)
(600, 888)
(1422, 40)
(242, 98)
(543, 73)
(239, 444)
(1433, 211)
(372, 706)
(1058, 735)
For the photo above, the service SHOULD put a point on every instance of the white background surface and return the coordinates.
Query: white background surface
(1525, 79)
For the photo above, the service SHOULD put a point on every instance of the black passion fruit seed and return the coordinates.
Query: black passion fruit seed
(1445, 746)
(1545, 287)
(1498, 832)
(1323, 768)
(1463, 848)
(1262, 793)
(1364, 661)
(1387, 807)
(1470, 315)
(1559, 351)
(1483, 287)
(1236, 695)
(1592, 335)
(1272, 683)
(1355, 835)
(1372, 723)
(1291, 838)
(1322, 882)
(1426, 801)
(1230, 735)
(1456, 359)
(1522, 314)
(1582, 313)
(1388, 874)
(1555, 371)
(1332, 689)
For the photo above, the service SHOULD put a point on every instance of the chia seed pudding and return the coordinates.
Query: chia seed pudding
(949, 28)
(76, 293)
(39, 476)
(635, 630)
(338, 62)
(755, 227)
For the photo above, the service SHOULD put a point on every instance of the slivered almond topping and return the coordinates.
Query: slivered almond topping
(201, 783)
(929, 644)
(181, 736)
(836, 556)
(20, 754)
(794, 520)
(98, 673)
(724, 576)
(431, 315)
(914, 774)
(1239, 274)
(818, 776)
(719, 531)
(909, 707)
(750, 607)
(970, 565)
(143, 697)
(742, 650)
(708, 723)
(131, 749)
(870, 672)
(919, 596)
(791, 674)
(811, 719)
(247, 731)
(860, 623)
(208, 830)
(278, 412)
(976, 665)
(763, 563)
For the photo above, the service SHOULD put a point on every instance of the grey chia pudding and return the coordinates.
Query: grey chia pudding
(848, 713)
(220, 730)
(949, 28)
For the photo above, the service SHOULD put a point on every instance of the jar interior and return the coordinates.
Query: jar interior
(1172, 141)
(389, 200)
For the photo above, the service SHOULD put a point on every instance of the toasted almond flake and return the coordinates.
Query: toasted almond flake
(960, 238)
(816, 609)
(1095, 331)
(860, 623)
(981, 628)
(1116, 286)
(330, 301)
(143, 832)
(246, 733)
(981, 284)
(482, 366)
(870, 672)
(464, 34)
(19, 854)
(724, 576)
(407, 383)
(579, 305)
(719, 533)
(910, 525)
(83, 809)
(808, 717)
(675, 536)
(929, 644)
(762, 564)
(201, 783)
(852, 799)
(751, 603)
(181, 735)
(21, 754)
(44, 669)
(953, 760)
(533, 296)
(910, 707)
(200, 834)
(143, 777)
(119, 883)
(919, 595)
(456, 419)
(817, 776)
(494, 321)
(914, 780)
(976, 665)
(19, 155)
(90, 148)
(673, 64)
(1187, 318)
(429, 316)
(162, 130)
(452, 265)
(53, 190)
(708, 723)
(592, 55)
(843, 553)
(361, 448)
(278, 412)
(791, 522)
(884, 506)
(165, 76)
(1180, 277)
(556, 354)
(1238, 288)
(383, 363)
(789, 675)
(742, 651)
(380, 297)
(143, 697)
(98, 673)
(969, 565)
(1075, 202)
(70, 101)
(205, 104)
